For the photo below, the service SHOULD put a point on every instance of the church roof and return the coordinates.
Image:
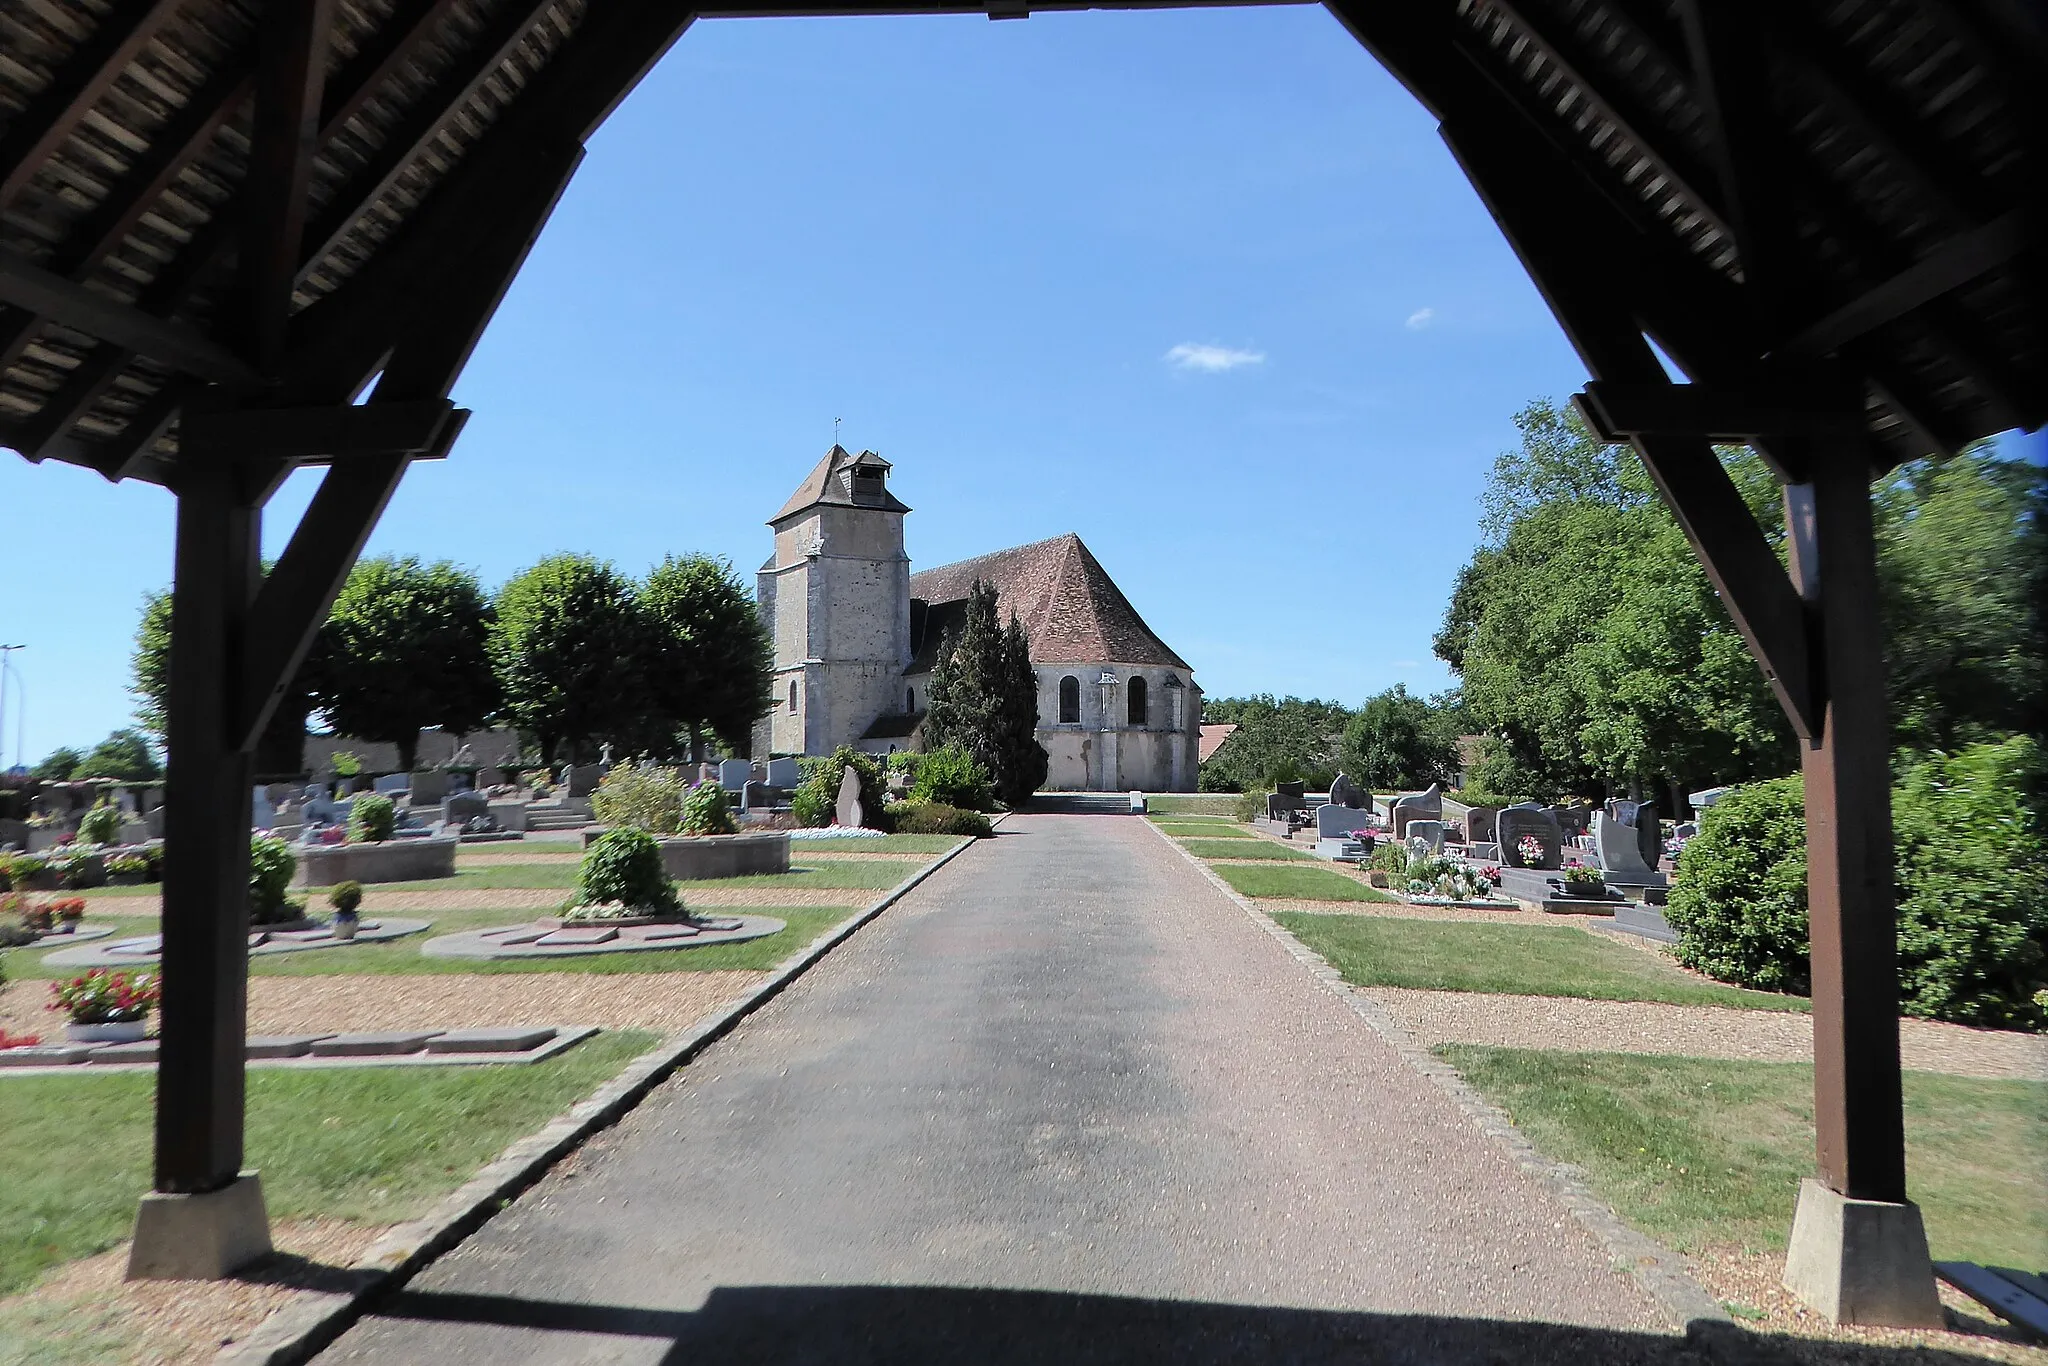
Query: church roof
(1072, 610)
(826, 484)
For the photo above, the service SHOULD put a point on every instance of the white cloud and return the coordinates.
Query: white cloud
(1420, 319)
(1211, 359)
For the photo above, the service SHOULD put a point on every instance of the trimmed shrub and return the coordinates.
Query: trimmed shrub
(1251, 803)
(950, 776)
(345, 896)
(1973, 886)
(705, 811)
(1390, 857)
(623, 866)
(1739, 901)
(645, 798)
(371, 818)
(101, 825)
(937, 818)
(271, 865)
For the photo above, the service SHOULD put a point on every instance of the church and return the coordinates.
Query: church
(856, 635)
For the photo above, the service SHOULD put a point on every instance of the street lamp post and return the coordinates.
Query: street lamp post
(6, 666)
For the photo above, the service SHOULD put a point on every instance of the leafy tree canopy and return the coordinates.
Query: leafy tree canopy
(568, 642)
(406, 644)
(58, 765)
(125, 754)
(1399, 741)
(710, 664)
(1277, 740)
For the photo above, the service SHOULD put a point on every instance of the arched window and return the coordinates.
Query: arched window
(910, 701)
(792, 695)
(1137, 700)
(1070, 700)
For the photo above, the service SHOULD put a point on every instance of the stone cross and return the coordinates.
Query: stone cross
(848, 812)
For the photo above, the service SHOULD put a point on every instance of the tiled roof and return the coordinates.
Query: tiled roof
(824, 484)
(1213, 736)
(1072, 610)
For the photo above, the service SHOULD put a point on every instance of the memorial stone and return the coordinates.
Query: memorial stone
(847, 812)
(393, 785)
(754, 796)
(460, 808)
(584, 778)
(1344, 792)
(1616, 847)
(1426, 806)
(429, 785)
(1527, 818)
(1334, 821)
(1426, 835)
(783, 773)
(734, 774)
(262, 815)
(1479, 824)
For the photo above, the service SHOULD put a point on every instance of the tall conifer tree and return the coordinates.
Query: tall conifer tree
(984, 699)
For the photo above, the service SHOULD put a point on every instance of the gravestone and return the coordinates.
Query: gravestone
(1285, 801)
(1479, 824)
(1528, 818)
(262, 815)
(783, 773)
(318, 808)
(1572, 821)
(461, 808)
(1425, 806)
(734, 774)
(584, 778)
(1344, 792)
(1427, 835)
(429, 785)
(1685, 830)
(1704, 799)
(707, 773)
(1334, 821)
(847, 811)
(396, 786)
(754, 797)
(1619, 853)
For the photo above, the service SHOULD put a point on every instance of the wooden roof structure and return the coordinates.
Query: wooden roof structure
(222, 222)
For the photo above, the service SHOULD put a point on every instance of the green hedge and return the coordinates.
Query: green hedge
(1972, 876)
(937, 818)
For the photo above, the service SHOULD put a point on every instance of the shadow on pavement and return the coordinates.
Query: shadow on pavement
(926, 1326)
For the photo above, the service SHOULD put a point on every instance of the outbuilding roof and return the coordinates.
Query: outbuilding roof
(1071, 609)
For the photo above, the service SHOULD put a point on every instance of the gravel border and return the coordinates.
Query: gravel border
(299, 1330)
(1659, 1271)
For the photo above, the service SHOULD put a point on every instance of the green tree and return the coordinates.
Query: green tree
(983, 699)
(710, 666)
(568, 643)
(1591, 648)
(1277, 740)
(1401, 741)
(125, 754)
(281, 747)
(406, 651)
(58, 765)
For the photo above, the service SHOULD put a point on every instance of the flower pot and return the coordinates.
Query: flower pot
(113, 1031)
(344, 925)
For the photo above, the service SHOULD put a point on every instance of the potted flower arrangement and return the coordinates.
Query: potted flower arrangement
(1582, 881)
(107, 1006)
(68, 911)
(345, 897)
(1530, 847)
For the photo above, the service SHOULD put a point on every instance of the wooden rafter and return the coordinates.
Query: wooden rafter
(285, 134)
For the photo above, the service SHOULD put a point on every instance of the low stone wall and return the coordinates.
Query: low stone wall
(323, 865)
(687, 858)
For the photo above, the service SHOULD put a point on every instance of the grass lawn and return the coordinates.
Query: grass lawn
(1191, 803)
(402, 957)
(1211, 830)
(1299, 884)
(1698, 1151)
(1251, 848)
(886, 844)
(373, 1145)
(1520, 960)
(804, 871)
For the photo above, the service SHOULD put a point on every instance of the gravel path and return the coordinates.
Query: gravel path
(1065, 1102)
(666, 1002)
(1572, 1025)
(525, 899)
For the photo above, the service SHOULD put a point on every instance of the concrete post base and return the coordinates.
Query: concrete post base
(200, 1237)
(1861, 1261)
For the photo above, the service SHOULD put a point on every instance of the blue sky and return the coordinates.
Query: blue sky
(1202, 286)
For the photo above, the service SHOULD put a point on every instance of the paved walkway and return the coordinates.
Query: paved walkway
(1066, 1102)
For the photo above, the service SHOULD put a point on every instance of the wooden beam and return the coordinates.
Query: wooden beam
(311, 435)
(292, 39)
(36, 133)
(394, 44)
(28, 285)
(1948, 267)
(1619, 411)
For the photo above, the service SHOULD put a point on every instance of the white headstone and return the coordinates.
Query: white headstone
(848, 812)
(1137, 804)
(1428, 835)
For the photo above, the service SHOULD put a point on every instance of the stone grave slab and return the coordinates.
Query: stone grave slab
(377, 1045)
(281, 1045)
(655, 934)
(489, 1040)
(523, 934)
(603, 934)
(142, 1050)
(44, 1055)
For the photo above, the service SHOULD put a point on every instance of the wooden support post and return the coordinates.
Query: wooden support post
(206, 844)
(1860, 1134)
